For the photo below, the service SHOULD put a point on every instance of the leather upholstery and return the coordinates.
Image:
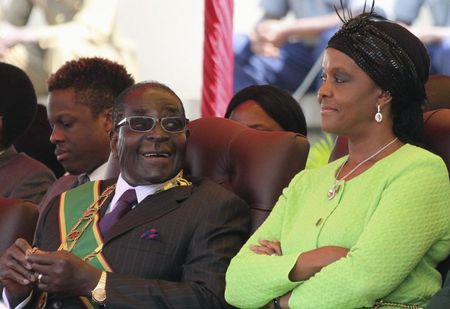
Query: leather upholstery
(256, 165)
(17, 219)
(340, 148)
(437, 139)
(438, 92)
(437, 133)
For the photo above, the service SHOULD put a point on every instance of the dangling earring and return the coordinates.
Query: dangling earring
(378, 115)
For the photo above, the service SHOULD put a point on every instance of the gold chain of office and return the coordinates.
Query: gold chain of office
(84, 222)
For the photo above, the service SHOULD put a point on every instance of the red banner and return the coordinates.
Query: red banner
(218, 63)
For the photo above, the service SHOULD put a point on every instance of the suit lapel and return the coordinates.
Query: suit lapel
(151, 208)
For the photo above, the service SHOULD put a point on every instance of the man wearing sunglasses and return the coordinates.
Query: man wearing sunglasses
(170, 250)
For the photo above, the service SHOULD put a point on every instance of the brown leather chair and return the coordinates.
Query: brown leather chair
(437, 133)
(17, 219)
(340, 148)
(437, 138)
(256, 165)
(438, 92)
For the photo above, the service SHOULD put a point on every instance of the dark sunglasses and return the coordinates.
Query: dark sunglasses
(147, 123)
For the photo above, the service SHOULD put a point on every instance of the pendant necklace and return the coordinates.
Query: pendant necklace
(337, 183)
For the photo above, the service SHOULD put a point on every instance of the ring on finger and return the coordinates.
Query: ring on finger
(39, 277)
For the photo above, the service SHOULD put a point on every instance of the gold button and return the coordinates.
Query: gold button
(319, 222)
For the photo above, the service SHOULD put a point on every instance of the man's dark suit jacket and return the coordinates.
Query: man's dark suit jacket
(23, 177)
(63, 183)
(201, 227)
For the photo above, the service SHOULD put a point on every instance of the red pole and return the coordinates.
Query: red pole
(218, 61)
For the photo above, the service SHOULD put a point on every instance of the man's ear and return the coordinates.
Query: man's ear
(108, 122)
(113, 143)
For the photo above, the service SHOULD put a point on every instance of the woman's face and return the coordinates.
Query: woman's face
(348, 97)
(251, 114)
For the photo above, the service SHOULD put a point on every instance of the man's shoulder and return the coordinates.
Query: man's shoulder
(206, 188)
(204, 183)
(62, 184)
(21, 163)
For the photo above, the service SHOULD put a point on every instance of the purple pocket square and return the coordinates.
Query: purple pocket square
(151, 234)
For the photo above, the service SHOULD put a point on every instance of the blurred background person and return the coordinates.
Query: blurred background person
(20, 175)
(75, 28)
(281, 51)
(435, 36)
(267, 108)
(35, 142)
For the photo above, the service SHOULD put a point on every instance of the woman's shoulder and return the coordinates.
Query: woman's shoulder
(415, 153)
(313, 174)
(414, 158)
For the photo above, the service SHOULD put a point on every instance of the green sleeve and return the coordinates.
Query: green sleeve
(400, 238)
(254, 280)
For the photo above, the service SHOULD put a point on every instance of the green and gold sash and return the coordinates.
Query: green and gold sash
(78, 228)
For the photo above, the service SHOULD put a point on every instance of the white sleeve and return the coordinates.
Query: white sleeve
(6, 304)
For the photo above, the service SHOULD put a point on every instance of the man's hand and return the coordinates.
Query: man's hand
(267, 38)
(272, 31)
(16, 274)
(63, 272)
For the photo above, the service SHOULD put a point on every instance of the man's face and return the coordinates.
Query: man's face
(82, 140)
(154, 156)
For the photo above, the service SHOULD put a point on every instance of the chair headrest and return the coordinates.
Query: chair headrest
(256, 165)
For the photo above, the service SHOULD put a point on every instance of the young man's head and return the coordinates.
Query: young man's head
(17, 105)
(81, 95)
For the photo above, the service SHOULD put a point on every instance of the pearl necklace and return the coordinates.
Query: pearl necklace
(337, 183)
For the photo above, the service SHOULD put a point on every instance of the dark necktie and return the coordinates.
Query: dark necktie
(82, 179)
(123, 205)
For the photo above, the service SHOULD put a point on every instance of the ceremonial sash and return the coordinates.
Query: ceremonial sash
(85, 241)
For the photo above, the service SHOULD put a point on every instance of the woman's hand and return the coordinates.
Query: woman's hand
(267, 247)
(311, 262)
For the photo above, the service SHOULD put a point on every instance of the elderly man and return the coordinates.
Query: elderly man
(170, 250)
